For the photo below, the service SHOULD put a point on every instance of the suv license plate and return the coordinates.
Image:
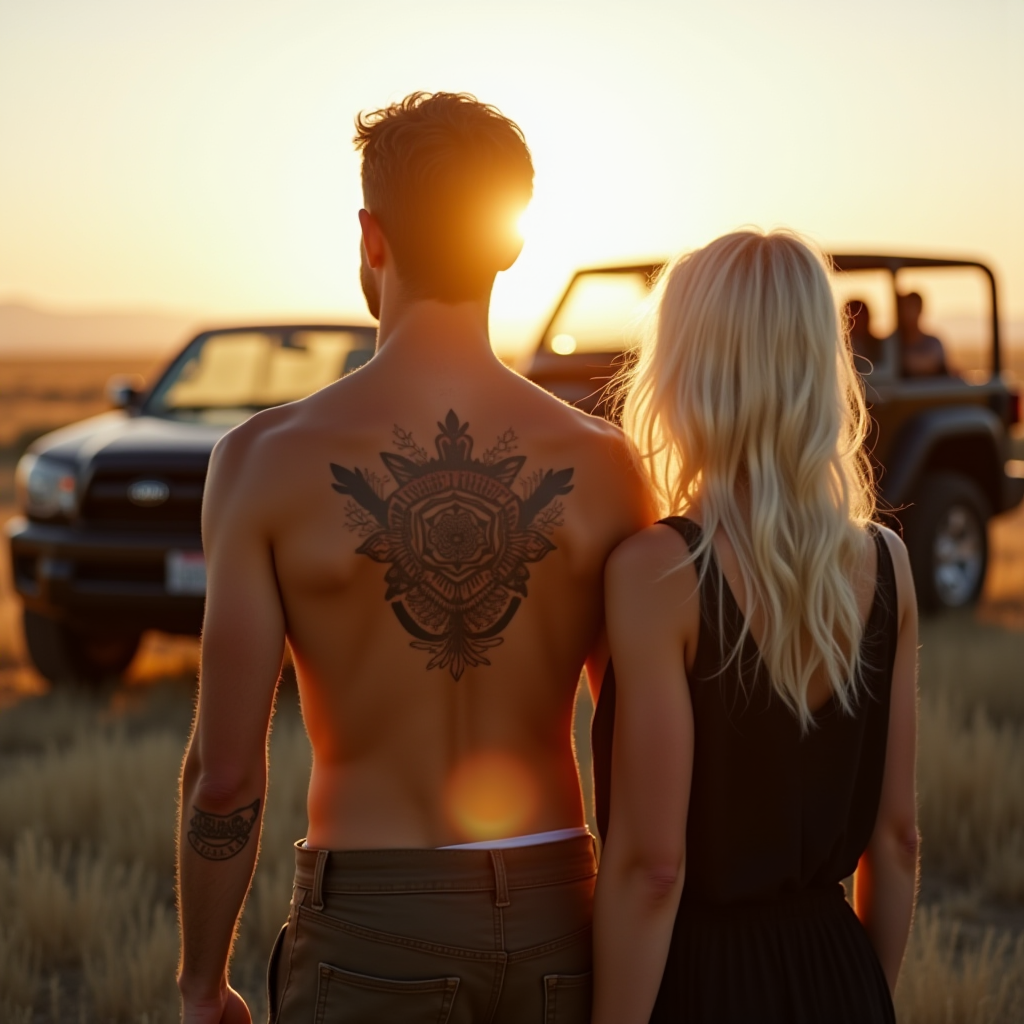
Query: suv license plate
(186, 572)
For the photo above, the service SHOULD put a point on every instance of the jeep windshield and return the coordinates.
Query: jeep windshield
(223, 377)
(599, 312)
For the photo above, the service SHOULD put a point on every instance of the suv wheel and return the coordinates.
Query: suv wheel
(947, 539)
(62, 654)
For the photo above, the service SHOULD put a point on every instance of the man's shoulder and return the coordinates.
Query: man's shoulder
(260, 435)
(607, 473)
(567, 422)
(257, 459)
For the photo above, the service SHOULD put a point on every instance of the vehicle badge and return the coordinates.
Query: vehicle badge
(148, 493)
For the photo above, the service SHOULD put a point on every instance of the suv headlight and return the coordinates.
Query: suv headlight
(45, 487)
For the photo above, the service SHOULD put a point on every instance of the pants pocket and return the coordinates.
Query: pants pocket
(567, 998)
(344, 997)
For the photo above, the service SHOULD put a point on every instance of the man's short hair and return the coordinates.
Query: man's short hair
(446, 176)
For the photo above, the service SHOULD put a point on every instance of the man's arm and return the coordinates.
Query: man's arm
(224, 777)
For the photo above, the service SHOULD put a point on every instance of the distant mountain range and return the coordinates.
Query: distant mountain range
(27, 332)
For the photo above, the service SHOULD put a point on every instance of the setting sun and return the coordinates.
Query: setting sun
(162, 167)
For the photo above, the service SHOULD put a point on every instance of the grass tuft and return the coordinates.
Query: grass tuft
(949, 980)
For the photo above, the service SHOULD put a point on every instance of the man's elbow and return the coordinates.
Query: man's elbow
(223, 789)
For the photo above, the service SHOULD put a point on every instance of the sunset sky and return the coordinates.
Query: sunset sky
(196, 156)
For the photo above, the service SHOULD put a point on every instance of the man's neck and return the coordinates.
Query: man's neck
(433, 331)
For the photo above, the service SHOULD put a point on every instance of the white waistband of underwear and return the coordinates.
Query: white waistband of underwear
(533, 839)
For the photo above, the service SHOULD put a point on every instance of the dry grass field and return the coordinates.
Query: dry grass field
(87, 805)
(38, 395)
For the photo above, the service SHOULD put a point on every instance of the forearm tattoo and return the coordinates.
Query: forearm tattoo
(455, 535)
(221, 836)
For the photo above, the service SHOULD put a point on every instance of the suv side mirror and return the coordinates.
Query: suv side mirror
(124, 390)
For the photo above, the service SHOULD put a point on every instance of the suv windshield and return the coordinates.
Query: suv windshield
(223, 377)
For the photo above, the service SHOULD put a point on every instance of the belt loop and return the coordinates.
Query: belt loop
(500, 880)
(318, 879)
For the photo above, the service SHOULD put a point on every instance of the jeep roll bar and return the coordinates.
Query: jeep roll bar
(841, 261)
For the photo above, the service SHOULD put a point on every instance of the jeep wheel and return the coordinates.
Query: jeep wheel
(947, 540)
(62, 654)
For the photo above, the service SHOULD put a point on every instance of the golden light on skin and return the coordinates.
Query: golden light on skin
(524, 222)
(563, 344)
(490, 795)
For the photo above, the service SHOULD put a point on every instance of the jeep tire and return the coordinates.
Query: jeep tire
(947, 538)
(62, 654)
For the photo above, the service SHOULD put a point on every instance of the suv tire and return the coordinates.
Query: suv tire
(63, 655)
(947, 539)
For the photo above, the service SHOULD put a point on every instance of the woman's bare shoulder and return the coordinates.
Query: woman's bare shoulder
(648, 556)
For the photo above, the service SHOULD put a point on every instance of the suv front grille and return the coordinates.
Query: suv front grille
(106, 502)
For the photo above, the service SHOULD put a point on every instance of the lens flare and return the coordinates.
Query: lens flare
(523, 223)
(490, 795)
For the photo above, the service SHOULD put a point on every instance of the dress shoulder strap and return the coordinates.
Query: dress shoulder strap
(686, 528)
(887, 603)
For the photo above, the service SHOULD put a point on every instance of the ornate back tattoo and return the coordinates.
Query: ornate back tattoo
(455, 536)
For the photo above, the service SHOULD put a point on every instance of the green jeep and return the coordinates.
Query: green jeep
(941, 433)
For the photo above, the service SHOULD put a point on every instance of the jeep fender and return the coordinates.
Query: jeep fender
(930, 432)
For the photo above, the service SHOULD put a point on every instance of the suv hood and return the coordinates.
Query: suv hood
(117, 438)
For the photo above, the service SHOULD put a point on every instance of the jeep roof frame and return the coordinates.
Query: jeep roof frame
(850, 261)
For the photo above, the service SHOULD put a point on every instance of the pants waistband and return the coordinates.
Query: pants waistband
(416, 870)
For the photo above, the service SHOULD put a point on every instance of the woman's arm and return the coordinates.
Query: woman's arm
(885, 884)
(642, 864)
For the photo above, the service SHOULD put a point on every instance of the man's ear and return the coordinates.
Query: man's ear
(374, 242)
(509, 252)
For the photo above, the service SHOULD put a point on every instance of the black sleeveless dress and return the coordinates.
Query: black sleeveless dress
(776, 820)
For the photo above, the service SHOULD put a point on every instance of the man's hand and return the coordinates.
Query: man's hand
(230, 1009)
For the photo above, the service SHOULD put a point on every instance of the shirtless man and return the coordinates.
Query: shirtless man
(428, 534)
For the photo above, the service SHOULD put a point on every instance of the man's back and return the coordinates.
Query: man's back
(429, 536)
(438, 532)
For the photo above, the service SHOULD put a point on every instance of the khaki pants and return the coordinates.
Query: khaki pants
(437, 937)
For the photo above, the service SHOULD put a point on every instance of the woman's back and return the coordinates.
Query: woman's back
(772, 811)
(777, 818)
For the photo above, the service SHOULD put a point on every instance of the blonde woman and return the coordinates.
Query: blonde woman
(764, 647)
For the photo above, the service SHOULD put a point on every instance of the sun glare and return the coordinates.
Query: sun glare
(563, 344)
(490, 795)
(524, 222)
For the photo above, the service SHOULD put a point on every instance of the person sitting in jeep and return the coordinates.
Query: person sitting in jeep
(922, 354)
(865, 344)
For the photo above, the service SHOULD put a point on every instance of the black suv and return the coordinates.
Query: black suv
(109, 543)
(940, 442)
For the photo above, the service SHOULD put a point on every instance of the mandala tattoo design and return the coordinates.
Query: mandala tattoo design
(220, 836)
(456, 537)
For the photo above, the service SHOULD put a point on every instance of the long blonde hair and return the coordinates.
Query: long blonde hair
(744, 398)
